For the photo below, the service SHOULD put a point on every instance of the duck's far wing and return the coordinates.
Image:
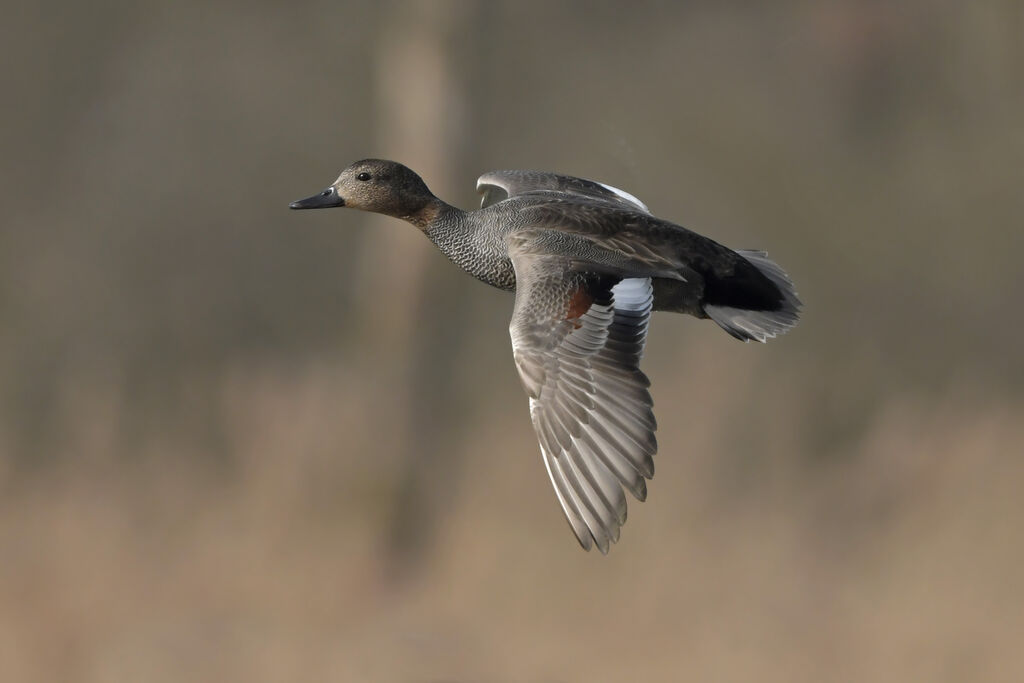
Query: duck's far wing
(498, 185)
(577, 339)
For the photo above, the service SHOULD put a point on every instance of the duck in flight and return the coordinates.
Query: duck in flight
(588, 263)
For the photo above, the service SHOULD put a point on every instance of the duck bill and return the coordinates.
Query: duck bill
(323, 200)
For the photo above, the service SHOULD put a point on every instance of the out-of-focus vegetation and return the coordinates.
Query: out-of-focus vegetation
(242, 444)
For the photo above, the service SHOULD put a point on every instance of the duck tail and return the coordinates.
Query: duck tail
(745, 311)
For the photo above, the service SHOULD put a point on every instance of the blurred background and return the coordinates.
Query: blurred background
(239, 443)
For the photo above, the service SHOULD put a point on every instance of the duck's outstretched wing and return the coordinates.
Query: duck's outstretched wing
(577, 339)
(498, 185)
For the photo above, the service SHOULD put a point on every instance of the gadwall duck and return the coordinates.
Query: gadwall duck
(588, 264)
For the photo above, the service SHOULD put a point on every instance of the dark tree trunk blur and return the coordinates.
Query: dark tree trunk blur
(425, 52)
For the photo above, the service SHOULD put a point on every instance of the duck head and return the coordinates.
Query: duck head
(376, 185)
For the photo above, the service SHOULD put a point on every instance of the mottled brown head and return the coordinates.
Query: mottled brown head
(376, 185)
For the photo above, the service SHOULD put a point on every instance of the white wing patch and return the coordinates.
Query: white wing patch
(625, 195)
(633, 294)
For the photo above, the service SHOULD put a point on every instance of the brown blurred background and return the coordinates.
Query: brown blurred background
(244, 444)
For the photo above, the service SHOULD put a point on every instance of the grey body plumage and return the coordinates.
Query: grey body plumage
(588, 264)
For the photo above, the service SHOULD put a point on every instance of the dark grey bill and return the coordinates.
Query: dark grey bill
(323, 200)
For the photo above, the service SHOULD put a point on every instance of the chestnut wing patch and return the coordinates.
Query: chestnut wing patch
(579, 303)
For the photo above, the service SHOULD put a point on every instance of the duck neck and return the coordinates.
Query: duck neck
(469, 244)
(434, 213)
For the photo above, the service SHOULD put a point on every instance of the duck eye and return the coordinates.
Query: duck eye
(329, 190)
(363, 176)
